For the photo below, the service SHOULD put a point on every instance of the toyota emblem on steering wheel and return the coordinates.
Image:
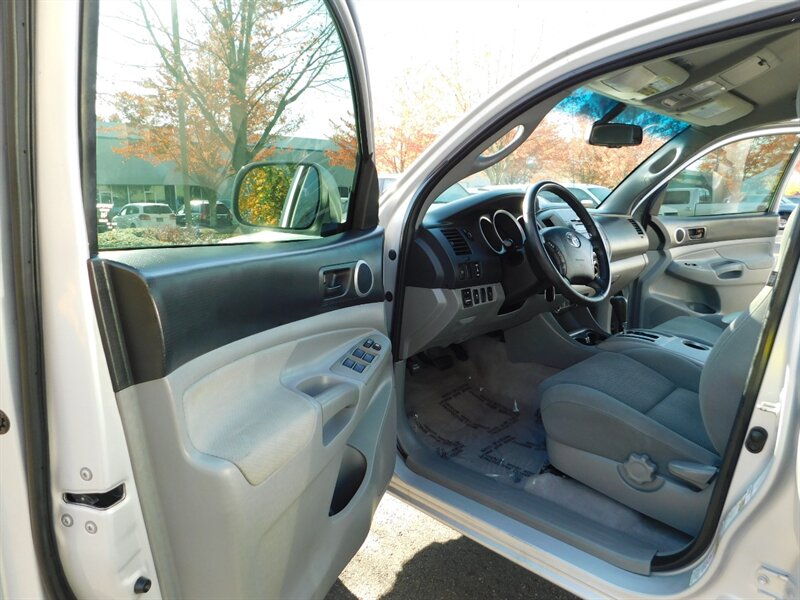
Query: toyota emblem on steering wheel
(573, 239)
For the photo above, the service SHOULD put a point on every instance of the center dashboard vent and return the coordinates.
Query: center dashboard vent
(457, 242)
(636, 226)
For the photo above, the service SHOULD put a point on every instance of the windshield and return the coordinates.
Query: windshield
(557, 150)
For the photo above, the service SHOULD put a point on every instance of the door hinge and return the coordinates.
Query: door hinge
(774, 584)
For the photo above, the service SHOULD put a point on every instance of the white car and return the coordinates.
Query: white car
(144, 214)
(589, 192)
(206, 420)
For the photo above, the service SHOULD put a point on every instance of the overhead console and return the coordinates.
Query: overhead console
(702, 89)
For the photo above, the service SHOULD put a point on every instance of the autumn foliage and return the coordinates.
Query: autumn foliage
(230, 71)
(263, 193)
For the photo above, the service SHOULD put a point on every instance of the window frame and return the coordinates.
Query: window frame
(706, 197)
(651, 201)
(362, 204)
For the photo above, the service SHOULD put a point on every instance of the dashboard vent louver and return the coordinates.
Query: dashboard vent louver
(636, 226)
(457, 241)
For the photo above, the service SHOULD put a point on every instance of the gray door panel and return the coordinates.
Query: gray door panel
(706, 267)
(262, 461)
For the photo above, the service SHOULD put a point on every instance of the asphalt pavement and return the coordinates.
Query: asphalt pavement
(409, 555)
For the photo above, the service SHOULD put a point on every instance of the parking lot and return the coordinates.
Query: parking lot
(410, 555)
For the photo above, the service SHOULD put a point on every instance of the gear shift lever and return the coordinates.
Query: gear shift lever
(619, 304)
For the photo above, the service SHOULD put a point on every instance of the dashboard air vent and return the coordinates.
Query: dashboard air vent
(636, 226)
(457, 241)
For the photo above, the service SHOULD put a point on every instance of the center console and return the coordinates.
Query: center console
(646, 338)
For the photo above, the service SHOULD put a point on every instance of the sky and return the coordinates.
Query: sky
(483, 42)
(404, 38)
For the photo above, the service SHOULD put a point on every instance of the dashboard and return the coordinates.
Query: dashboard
(468, 273)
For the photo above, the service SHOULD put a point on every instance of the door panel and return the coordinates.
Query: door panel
(707, 267)
(261, 426)
(248, 447)
(163, 307)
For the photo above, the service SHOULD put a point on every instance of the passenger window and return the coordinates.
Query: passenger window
(738, 178)
(187, 98)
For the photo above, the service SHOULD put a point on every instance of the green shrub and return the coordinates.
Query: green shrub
(166, 236)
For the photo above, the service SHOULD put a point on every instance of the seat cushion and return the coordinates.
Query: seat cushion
(692, 328)
(614, 404)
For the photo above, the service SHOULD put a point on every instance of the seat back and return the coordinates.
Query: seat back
(728, 366)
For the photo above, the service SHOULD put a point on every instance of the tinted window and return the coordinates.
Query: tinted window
(601, 192)
(157, 210)
(187, 96)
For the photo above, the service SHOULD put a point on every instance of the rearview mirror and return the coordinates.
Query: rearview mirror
(286, 195)
(615, 135)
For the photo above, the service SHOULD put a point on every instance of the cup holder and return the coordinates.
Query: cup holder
(696, 345)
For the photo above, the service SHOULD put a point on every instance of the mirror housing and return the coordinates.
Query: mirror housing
(615, 135)
(286, 195)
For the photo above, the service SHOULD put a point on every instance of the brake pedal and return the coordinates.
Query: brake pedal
(460, 352)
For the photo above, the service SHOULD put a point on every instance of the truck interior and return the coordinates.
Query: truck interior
(597, 405)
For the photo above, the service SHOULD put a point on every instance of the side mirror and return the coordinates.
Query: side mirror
(285, 195)
(615, 135)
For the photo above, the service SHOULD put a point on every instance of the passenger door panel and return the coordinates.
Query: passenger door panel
(716, 272)
(259, 456)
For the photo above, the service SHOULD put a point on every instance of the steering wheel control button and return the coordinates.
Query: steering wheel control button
(369, 357)
(359, 367)
(349, 362)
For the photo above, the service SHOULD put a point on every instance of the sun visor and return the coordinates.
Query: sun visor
(642, 81)
(722, 109)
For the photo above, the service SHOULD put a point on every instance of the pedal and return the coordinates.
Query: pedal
(460, 352)
(439, 358)
(443, 362)
(413, 365)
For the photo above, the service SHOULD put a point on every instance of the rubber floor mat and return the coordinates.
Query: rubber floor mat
(467, 426)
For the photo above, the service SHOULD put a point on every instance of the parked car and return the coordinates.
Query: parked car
(201, 215)
(589, 194)
(786, 207)
(144, 214)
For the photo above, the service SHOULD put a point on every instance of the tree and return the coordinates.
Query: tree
(226, 82)
(346, 141)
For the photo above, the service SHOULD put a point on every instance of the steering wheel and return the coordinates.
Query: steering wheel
(563, 255)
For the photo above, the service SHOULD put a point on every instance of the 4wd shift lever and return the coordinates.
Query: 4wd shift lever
(619, 304)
